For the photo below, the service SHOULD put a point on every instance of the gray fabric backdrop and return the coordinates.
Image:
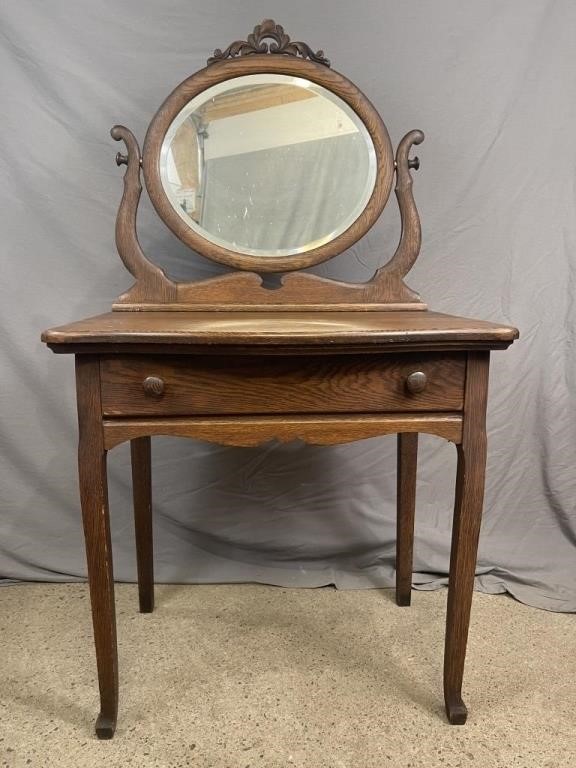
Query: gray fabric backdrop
(492, 84)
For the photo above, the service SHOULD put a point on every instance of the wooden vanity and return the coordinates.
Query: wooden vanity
(234, 361)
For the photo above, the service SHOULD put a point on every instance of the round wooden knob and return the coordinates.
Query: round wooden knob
(416, 382)
(153, 386)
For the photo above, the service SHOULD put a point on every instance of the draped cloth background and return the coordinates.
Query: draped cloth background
(492, 85)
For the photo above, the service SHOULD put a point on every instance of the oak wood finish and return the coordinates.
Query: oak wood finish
(249, 431)
(282, 45)
(276, 333)
(406, 508)
(243, 291)
(244, 379)
(229, 361)
(140, 453)
(465, 532)
(410, 234)
(150, 279)
(94, 501)
(180, 385)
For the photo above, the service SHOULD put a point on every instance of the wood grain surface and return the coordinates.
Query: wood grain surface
(239, 385)
(465, 532)
(95, 516)
(244, 289)
(270, 332)
(321, 361)
(247, 431)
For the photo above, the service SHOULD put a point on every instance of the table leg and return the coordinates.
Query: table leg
(94, 500)
(465, 532)
(142, 493)
(405, 509)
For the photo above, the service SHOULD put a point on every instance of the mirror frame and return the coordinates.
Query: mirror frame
(222, 71)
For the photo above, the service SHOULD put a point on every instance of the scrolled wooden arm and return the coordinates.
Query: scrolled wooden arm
(148, 275)
(411, 234)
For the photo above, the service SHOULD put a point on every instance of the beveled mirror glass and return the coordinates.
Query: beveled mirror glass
(267, 160)
(268, 165)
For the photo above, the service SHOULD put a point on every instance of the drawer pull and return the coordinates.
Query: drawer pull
(153, 386)
(416, 382)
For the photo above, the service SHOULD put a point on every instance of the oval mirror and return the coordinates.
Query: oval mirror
(268, 165)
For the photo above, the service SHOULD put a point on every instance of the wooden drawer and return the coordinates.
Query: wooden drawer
(143, 385)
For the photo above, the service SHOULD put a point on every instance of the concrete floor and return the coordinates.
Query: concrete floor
(257, 677)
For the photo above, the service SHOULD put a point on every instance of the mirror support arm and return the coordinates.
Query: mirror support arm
(411, 234)
(148, 275)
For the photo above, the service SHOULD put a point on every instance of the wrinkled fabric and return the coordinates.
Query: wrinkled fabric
(492, 86)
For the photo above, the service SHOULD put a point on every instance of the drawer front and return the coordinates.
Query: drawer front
(138, 385)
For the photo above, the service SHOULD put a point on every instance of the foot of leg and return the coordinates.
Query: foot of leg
(456, 710)
(105, 727)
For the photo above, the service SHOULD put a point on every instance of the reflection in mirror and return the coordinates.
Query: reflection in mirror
(268, 165)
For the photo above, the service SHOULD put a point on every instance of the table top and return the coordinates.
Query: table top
(184, 331)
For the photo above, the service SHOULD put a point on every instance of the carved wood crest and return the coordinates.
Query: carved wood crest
(255, 44)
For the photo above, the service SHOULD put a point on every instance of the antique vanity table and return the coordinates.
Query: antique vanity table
(270, 162)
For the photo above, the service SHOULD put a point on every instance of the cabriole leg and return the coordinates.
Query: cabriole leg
(94, 501)
(465, 532)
